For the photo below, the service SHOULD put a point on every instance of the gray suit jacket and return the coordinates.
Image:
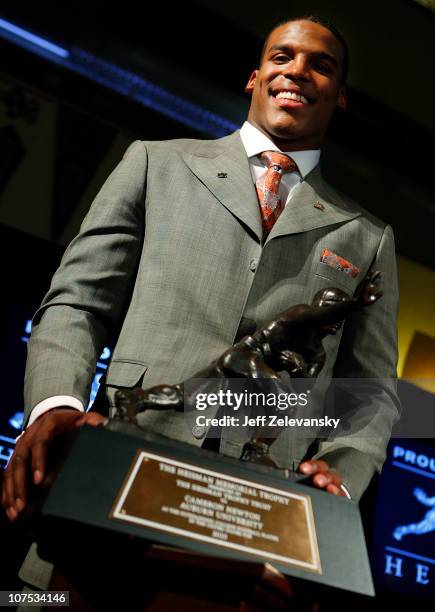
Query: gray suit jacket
(170, 252)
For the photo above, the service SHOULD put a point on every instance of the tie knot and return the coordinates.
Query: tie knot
(283, 163)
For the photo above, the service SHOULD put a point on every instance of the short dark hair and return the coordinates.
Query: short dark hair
(326, 24)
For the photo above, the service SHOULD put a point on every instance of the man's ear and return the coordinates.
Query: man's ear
(342, 99)
(250, 84)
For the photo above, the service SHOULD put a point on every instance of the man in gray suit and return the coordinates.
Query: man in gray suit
(173, 251)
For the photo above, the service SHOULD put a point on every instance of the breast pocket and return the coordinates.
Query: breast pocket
(327, 276)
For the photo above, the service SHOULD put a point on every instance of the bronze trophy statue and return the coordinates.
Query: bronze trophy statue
(291, 342)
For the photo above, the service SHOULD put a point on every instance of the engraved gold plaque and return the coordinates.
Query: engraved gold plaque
(188, 501)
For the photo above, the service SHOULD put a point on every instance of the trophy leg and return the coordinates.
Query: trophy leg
(257, 451)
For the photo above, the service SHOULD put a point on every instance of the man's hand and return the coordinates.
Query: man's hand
(322, 476)
(30, 453)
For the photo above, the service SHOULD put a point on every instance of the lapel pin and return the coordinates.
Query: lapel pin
(319, 205)
(222, 175)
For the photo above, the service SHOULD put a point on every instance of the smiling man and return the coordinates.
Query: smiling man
(299, 84)
(192, 244)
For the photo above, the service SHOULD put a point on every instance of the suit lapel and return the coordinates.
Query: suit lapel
(234, 188)
(312, 206)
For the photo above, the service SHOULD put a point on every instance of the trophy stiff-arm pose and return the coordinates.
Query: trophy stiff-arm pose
(291, 341)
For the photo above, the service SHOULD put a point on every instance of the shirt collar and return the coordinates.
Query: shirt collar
(255, 142)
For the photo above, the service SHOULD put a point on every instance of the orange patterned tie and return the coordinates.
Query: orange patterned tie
(267, 186)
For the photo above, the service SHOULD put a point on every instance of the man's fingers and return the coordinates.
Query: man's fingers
(39, 459)
(323, 477)
(8, 497)
(14, 484)
(332, 488)
(93, 418)
(11, 513)
(321, 480)
(19, 475)
(322, 466)
(30, 455)
(334, 478)
(313, 466)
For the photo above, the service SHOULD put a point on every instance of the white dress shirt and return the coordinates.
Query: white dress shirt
(255, 142)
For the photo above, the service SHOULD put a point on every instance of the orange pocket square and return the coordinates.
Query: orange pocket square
(339, 263)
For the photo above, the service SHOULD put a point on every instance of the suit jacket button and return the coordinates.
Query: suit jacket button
(198, 431)
(253, 265)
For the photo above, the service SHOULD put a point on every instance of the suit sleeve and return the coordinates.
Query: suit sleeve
(368, 356)
(90, 289)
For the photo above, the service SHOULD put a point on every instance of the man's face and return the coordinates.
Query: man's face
(297, 87)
